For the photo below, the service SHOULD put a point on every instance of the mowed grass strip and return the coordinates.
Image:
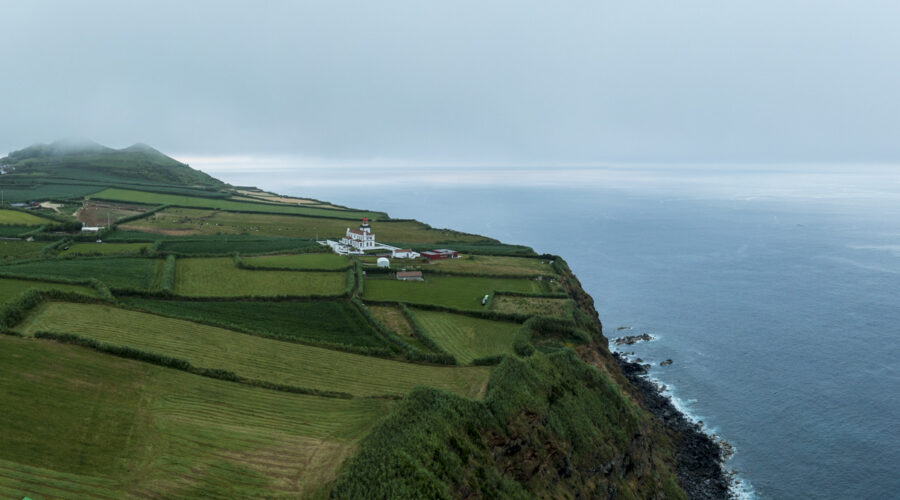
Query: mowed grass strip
(105, 248)
(495, 266)
(11, 288)
(146, 197)
(178, 221)
(465, 337)
(450, 291)
(322, 261)
(335, 322)
(219, 277)
(115, 272)
(543, 306)
(250, 356)
(81, 424)
(14, 217)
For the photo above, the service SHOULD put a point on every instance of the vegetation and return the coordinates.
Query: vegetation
(449, 291)
(96, 426)
(311, 262)
(129, 273)
(219, 277)
(18, 249)
(12, 288)
(465, 337)
(105, 248)
(18, 218)
(494, 266)
(543, 306)
(250, 356)
(218, 246)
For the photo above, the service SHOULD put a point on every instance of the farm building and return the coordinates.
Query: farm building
(410, 276)
(441, 253)
(383, 262)
(404, 253)
(360, 239)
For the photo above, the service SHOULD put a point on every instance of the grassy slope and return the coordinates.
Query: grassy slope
(104, 248)
(335, 322)
(465, 337)
(21, 218)
(11, 288)
(21, 249)
(117, 273)
(323, 261)
(541, 306)
(449, 291)
(249, 356)
(218, 277)
(496, 266)
(99, 426)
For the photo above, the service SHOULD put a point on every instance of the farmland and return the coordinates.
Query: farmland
(494, 266)
(11, 288)
(96, 426)
(105, 248)
(219, 277)
(250, 356)
(192, 221)
(465, 337)
(335, 322)
(12, 249)
(448, 291)
(14, 217)
(145, 197)
(393, 318)
(317, 261)
(99, 213)
(544, 306)
(242, 245)
(114, 272)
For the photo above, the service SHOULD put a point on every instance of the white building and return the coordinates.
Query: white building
(360, 239)
(404, 253)
(383, 262)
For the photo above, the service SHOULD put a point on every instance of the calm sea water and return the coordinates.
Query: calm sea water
(780, 309)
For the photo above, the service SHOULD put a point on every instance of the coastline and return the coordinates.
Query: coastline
(700, 458)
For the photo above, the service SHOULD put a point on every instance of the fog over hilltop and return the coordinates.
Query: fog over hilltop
(459, 82)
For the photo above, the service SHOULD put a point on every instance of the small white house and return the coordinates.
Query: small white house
(383, 262)
(90, 229)
(404, 253)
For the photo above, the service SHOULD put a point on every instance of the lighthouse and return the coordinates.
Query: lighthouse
(364, 227)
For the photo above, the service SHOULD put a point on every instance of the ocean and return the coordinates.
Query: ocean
(775, 291)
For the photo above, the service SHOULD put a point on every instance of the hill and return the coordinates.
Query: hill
(201, 340)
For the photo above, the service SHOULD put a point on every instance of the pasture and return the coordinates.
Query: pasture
(494, 266)
(335, 322)
(224, 244)
(543, 306)
(17, 218)
(465, 337)
(114, 272)
(12, 288)
(219, 277)
(20, 249)
(393, 318)
(251, 356)
(315, 261)
(77, 423)
(448, 291)
(177, 221)
(105, 248)
(145, 197)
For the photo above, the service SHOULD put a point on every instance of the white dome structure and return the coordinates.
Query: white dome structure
(383, 262)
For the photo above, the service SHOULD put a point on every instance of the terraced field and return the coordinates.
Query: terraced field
(532, 305)
(465, 337)
(105, 248)
(192, 221)
(219, 277)
(14, 217)
(249, 356)
(449, 291)
(495, 266)
(97, 426)
(115, 272)
(145, 197)
(318, 261)
(12, 288)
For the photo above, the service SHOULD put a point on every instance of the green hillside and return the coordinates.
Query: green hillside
(167, 335)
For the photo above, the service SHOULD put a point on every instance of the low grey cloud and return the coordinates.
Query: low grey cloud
(498, 82)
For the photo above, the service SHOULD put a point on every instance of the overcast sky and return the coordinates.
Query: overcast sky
(460, 82)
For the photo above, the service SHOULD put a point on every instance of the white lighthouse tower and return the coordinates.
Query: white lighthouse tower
(360, 239)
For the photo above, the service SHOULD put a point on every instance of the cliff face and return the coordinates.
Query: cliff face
(560, 423)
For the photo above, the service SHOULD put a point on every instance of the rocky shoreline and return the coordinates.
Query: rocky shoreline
(699, 457)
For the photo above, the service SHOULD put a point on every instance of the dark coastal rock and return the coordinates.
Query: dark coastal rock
(666, 362)
(699, 457)
(633, 339)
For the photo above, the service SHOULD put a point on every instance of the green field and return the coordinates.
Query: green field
(449, 291)
(467, 338)
(543, 306)
(11, 288)
(393, 318)
(494, 266)
(318, 261)
(104, 248)
(14, 217)
(13, 249)
(190, 221)
(250, 356)
(335, 322)
(114, 272)
(97, 426)
(219, 277)
(224, 244)
(132, 196)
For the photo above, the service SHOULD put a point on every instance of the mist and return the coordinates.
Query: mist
(471, 83)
